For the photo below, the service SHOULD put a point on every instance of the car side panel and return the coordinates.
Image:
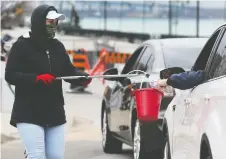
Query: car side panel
(208, 117)
(169, 117)
(107, 97)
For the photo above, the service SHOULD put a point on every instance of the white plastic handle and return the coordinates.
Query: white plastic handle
(145, 73)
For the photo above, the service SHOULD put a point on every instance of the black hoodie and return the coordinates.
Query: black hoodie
(38, 103)
(38, 26)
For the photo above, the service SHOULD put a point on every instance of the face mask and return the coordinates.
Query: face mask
(51, 30)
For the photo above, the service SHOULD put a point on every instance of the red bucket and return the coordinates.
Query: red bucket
(148, 101)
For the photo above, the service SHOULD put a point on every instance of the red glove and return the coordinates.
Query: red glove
(46, 78)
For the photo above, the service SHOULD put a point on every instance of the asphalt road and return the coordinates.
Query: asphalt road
(83, 144)
(83, 140)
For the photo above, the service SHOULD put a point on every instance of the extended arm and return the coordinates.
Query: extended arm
(186, 80)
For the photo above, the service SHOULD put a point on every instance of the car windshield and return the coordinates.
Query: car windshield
(181, 57)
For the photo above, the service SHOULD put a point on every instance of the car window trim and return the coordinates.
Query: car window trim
(216, 78)
(134, 55)
(210, 80)
(141, 54)
(213, 52)
(219, 29)
(152, 56)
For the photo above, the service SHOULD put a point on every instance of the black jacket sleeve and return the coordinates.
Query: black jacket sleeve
(186, 80)
(70, 70)
(14, 73)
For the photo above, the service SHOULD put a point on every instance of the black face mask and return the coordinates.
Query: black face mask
(51, 30)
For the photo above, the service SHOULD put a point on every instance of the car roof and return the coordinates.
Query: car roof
(174, 42)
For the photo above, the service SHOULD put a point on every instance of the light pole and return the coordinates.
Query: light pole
(170, 17)
(105, 15)
(224, 10)
(120, 21)
(197, 18)
(143, 15)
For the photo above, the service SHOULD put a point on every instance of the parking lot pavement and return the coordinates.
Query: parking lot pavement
(83, 142)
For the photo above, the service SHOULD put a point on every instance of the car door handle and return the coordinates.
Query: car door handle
(206, 98)
(174, 107)
(187, 101)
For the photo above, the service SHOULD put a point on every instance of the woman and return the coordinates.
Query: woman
(35, 61)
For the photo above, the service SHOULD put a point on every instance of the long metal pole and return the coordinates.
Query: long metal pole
(105, 15)
(120, 21)
(101, 76)
(143, 24)
(170, 17)
(224, 10)
(197, 18)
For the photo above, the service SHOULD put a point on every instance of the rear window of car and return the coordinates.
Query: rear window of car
(180, 56)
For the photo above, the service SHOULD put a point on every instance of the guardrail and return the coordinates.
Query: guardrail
(130, 36)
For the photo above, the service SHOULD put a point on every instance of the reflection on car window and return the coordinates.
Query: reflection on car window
(218, 65)
(144, 59)
(132, 61)
(150, 64)
(181, 57)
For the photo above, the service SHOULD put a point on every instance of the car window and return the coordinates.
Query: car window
(201, 62)
(132, 60)
(144, 59)
(218, 63)
(181, 56)
(149, 66)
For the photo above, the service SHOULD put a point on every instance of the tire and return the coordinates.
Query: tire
(167, 152)
(206, 152)
(109, 143)
(139, 150)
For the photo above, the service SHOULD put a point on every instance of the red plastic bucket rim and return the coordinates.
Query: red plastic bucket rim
(148, 89)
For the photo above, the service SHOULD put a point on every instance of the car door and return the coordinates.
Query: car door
(128, 103)
(181, 143)
(208, 95)
(117, 117)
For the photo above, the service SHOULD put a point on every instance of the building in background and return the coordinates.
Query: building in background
(13, 13)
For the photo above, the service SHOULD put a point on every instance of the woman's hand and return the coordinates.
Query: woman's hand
(46, 78)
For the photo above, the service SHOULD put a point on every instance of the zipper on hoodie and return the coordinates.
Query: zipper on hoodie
(47, 52)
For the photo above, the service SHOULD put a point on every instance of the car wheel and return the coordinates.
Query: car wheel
(138, 146)
(139, 150)
(167, 154)
(109, 143)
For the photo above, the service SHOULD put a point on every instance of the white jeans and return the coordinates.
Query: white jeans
(42, 142)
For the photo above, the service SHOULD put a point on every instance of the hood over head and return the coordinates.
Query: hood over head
(38, 24)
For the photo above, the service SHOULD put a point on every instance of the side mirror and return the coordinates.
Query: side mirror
(166, 73)
(111, 71)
